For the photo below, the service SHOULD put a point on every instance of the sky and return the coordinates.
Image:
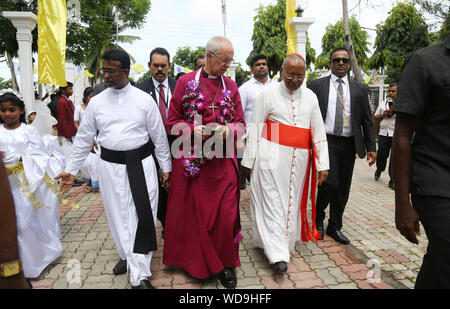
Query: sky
(177, 23)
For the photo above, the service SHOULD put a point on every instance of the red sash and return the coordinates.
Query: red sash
(298, 138)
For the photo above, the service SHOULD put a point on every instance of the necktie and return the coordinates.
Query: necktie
(339, 119)
(162, 105)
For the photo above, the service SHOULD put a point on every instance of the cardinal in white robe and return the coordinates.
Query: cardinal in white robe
(286, 145)
(130, 130)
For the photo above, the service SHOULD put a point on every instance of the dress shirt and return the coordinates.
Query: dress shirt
(167, 92)
(331, 111)
(249, 93)
(387, 125)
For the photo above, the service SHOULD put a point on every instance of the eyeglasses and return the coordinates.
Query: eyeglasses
(338, 60)
(110, 71)
(292, 76)
(224, 60)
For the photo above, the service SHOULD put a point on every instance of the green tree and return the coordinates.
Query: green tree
(440, 11)
(403, 32)
(335, 37)
(185, 56)
(97, 30)
(5, 84)
(269, 36)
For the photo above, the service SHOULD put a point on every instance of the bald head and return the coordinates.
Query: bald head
(293, 72)
(219, 55)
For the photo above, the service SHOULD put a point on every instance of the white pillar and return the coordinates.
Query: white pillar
(301, 25)
(25, 22)
(381, 78)
(233, 67)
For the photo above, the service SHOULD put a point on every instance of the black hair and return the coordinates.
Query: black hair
(58, 93)
(14, 100)
(69, 84)
(256, 58)
(160, 51)
(199, 57)
(86, 93)
(117, 54)
(338, 49)
(179, 75)
(393, 85)
(52, 97)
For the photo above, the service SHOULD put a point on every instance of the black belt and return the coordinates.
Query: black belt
(145, 240)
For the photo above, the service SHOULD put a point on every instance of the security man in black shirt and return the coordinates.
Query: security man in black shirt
(421, 159)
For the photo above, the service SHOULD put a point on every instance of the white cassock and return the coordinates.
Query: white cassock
(125, 119)
(278, 172)
(39, 243)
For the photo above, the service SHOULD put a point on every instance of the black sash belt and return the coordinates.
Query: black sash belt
(145, 240)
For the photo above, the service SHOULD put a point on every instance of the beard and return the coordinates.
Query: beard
(260, 75)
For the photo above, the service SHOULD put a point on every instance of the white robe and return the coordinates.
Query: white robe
(89, 170)
(278, 172)
(125, 119)
(39, 243)
(55, 167)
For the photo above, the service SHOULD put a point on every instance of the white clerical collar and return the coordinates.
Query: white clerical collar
(156, 83)
(335, 78)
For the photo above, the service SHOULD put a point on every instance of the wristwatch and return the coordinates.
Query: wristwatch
(11, 268)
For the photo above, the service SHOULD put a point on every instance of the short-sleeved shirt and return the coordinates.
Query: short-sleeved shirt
(424, 91)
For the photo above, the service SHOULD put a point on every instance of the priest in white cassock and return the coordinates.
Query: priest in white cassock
(129, 128)
(286, 145)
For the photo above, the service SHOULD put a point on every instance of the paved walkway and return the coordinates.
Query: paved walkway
(377, 251)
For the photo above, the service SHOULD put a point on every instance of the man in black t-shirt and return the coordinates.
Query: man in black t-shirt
(421, 159)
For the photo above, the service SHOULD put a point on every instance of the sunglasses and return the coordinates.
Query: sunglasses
(338, 60)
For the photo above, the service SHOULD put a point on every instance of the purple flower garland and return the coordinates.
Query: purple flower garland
(194, 104)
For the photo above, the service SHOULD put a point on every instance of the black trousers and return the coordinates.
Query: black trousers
(384, 148)
(335, 191)
(163, 193)
(434, 214)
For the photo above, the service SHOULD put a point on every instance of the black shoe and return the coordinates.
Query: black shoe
(144, 285)
(391, 185)
(120, 268)
(377, 175)
(228, 278)
(243, 183)
(320, 230)
(280, 267)
(338, 236)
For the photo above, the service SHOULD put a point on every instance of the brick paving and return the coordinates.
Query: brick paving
(377, 258)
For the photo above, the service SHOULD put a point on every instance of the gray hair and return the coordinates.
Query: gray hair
(215, 44)
(290, 57)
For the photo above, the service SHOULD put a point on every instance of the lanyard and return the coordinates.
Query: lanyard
(340, 97)
(159, 93)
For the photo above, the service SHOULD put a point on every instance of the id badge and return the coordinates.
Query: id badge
(346, 121)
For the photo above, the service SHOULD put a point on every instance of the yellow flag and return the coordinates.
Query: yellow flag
(52, 22)
(87, 74)
(290, 33)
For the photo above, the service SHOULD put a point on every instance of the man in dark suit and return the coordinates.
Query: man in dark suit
(345, 108)
(160, 87)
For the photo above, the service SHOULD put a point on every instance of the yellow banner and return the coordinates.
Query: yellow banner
(290, 33)
(52, 22)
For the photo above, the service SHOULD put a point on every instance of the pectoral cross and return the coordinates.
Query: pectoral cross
(213, 107)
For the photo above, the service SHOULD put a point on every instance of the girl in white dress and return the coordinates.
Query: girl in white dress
(26, 161)
(89, 168)
(43, 122)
